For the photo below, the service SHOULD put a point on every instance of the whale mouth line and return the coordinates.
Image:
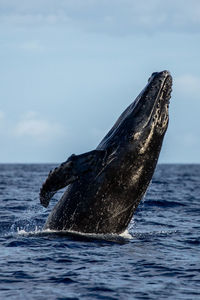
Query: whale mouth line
(162, 99)
(165, 89)
(164, 93)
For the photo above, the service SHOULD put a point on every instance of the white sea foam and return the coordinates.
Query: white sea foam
(24, 232)
(126, 235)
(100, 236)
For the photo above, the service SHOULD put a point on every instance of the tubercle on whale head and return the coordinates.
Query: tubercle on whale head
(150, 110)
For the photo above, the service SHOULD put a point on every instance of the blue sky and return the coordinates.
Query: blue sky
(70, 67)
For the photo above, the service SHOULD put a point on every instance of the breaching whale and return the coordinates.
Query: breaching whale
(106, 185)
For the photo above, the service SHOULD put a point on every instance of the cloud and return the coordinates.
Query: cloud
(2, 115)
(189, 85)
(31, 126)
(32, 46)
(31, 139)
(116, 17)
(190, 140)
(2, 122)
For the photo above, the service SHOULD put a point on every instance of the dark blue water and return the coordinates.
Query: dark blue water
(160, 261)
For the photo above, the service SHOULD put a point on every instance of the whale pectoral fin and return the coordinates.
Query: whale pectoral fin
(68, 172)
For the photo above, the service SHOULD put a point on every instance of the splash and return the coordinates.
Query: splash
(126, 235)
(123, 237)
(24, 232)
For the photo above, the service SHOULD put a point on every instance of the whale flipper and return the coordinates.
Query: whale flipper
(69, 171)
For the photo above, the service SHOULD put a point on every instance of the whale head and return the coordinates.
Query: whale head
(146, 119)
(150, 109)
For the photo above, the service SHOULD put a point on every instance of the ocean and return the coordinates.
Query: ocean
(157, 258)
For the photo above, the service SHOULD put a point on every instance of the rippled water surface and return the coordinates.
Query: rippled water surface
(160, 261)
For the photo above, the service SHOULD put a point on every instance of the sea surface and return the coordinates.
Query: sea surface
(158, 258)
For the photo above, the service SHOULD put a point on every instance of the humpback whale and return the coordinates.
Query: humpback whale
(105, 185)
